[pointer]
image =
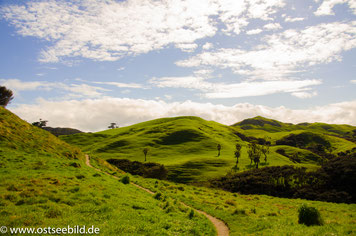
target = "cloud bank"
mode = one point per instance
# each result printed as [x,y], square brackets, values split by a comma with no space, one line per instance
[97,114]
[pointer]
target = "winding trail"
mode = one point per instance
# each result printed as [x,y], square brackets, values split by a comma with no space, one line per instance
[219,225]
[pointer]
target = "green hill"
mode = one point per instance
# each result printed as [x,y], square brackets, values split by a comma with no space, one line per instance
[44,182]
[187,145]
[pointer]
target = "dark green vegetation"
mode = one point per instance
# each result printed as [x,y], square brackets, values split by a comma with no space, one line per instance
[196,150]
[147,170]
[309,216]
[333,182]
[45,182]
[61,131]
[6,96]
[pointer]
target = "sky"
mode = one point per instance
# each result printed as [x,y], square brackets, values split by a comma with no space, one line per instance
[87,63]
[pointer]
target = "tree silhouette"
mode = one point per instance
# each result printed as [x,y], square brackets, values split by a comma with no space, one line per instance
[237,153]
[113,126]
[219,148]
[6,96]
[145,151]
[265,147]
[41,123]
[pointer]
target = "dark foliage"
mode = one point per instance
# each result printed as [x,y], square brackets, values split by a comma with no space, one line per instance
[6,96]
[62,131]
[147,170]
[125,179]
[309,216]
[308,140]
[333,182]
[259,141]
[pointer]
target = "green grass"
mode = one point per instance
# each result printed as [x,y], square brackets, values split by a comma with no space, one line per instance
[259,214]
[187,145]
[45,182]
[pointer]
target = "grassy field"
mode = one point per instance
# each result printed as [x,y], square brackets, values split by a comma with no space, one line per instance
[45,182]
[187,145]
[259,214]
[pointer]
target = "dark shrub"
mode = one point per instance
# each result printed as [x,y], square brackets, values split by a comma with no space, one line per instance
[147,170]
[125,179]
[309,216]
[157,196]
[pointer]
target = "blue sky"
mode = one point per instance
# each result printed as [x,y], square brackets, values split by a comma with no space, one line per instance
[85,64]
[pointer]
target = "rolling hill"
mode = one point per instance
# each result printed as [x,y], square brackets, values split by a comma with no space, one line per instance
[44,182]
[187,145]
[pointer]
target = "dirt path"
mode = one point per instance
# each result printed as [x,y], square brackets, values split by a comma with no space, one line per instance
[219,225]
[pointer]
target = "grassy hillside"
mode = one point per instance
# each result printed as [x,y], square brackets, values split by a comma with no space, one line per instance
[260,214]
[44,182]
[187,145]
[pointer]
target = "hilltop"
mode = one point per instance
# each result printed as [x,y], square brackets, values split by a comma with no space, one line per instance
[187,145]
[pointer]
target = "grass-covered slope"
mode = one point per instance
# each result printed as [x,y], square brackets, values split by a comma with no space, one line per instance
[187,145]
[22,137]
[260,214]
[44,182]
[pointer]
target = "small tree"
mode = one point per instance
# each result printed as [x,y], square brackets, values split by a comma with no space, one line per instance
[145,151]
[254,153]
[6,96]
[113,126]
[265,147]
[237,153]
[219,148]
[41,123]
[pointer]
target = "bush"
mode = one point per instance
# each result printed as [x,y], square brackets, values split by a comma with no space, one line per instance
[125,179]
[309,216]
[191,214]
[157,196]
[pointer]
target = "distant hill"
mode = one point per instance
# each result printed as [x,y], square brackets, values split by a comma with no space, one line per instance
[61,131]
[187,145]
[260,123]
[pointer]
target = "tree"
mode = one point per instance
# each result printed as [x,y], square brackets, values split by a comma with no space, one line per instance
[265,147]
[41,123]
[237,153]
[6,96]
[254,152]
[219,148]
[145,151]
[113,126]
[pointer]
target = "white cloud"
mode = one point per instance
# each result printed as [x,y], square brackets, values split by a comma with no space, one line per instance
[109,30]
[96,114]
[254,31]
[207,46]
[76,90]
[291,19]
[272,26]
[187,47]
[121,85]
[284,53]
[353,81]
[326,7]
[304,94]
[17,85]
[236,90]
